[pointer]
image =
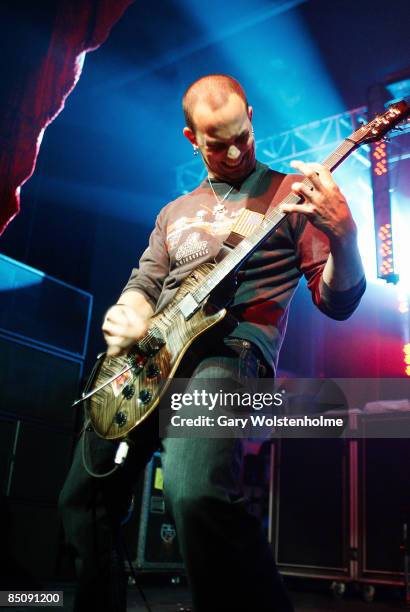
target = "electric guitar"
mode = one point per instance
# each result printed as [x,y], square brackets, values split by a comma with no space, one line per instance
[123,391]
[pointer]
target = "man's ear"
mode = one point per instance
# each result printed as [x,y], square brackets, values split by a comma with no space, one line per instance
[189,134]
[250,113]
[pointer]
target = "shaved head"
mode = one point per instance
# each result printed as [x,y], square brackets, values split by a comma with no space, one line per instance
[219,127]
[212,90]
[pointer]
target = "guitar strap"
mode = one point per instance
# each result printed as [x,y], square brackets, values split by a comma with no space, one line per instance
[250,218]
[245,225]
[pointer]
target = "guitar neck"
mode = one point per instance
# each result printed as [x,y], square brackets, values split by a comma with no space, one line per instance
[239,255]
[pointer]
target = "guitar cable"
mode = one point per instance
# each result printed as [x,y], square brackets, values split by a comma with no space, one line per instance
[119,459]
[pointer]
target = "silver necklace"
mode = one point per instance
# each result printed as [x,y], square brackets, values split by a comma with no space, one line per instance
[219,201]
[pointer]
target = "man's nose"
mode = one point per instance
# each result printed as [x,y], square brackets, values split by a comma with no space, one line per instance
[233,152]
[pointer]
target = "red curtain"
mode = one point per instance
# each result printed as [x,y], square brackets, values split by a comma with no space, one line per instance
[46,48]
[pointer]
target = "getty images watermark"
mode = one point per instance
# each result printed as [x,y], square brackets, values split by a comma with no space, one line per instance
[229,413]
[254,401]
[286,408]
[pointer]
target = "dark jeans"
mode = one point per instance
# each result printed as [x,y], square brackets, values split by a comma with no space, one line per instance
[228,561]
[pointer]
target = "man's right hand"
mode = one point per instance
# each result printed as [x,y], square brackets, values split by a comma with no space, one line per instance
[122,327]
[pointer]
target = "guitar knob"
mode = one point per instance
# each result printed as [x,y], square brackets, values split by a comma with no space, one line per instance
[145,396]
[120,418]
[152,370]
[128,391]
[136,362]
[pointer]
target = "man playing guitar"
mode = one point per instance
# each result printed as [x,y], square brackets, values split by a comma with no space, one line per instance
[229,564]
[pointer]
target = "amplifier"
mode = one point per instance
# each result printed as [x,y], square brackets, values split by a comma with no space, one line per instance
[44,327]
[311,502]
[384,506]
[38,384]
[43,310]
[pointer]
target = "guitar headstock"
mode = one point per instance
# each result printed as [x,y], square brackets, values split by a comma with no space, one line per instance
[381,124]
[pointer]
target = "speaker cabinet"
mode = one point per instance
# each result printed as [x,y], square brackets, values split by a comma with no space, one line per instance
[310,526]
[384,477]
[43,337]
[41,462]
[36,384]
[43,309]
[30,543]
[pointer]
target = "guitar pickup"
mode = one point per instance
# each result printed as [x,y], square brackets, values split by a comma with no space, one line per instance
[151,343]
[188,306]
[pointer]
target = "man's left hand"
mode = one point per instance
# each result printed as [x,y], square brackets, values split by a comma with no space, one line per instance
[323,203]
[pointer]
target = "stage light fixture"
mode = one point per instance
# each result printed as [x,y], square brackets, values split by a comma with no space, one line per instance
[406,351]
[379,97]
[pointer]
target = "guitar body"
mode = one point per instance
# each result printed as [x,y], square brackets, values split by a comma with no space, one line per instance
[121,405]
